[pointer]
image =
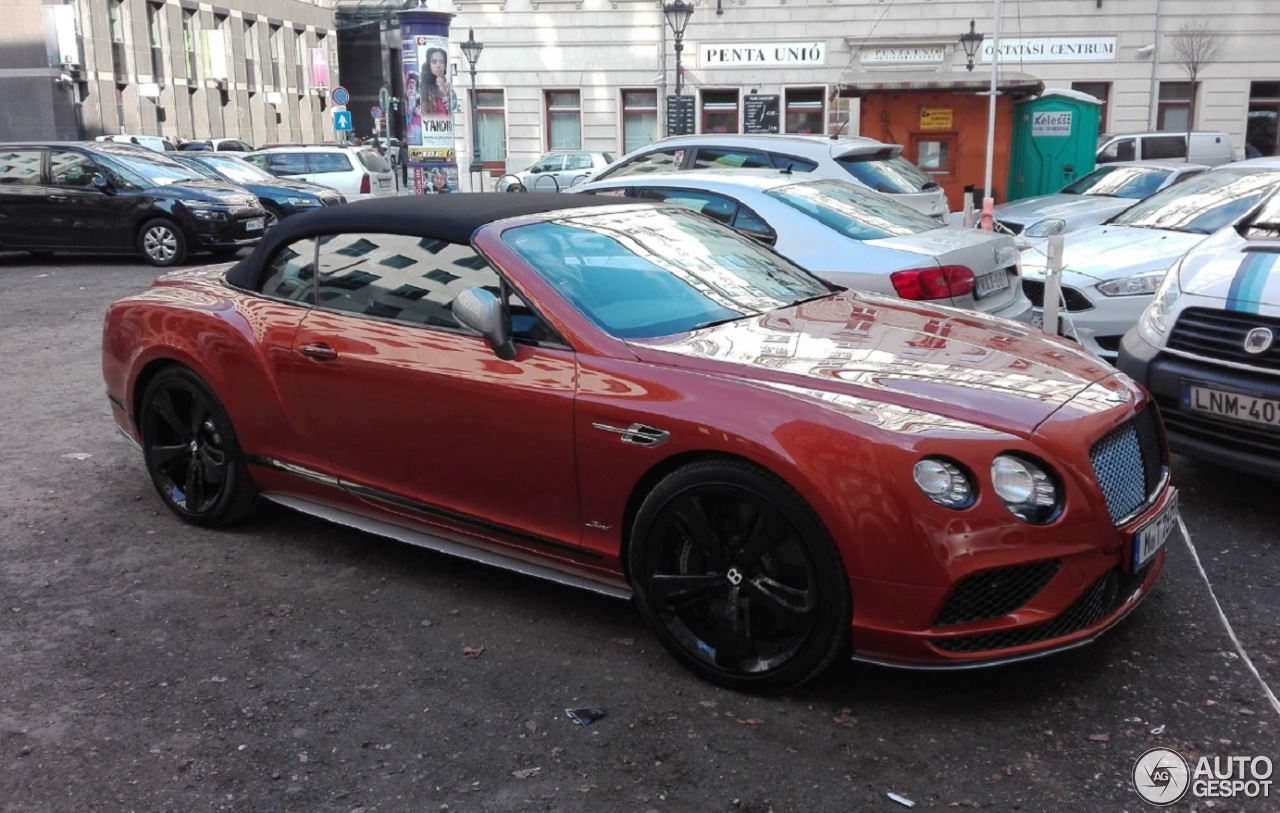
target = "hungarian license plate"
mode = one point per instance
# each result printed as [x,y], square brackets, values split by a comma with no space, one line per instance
[988,284]
[254,225]
[1150,538]
[1235,405]
[384,183]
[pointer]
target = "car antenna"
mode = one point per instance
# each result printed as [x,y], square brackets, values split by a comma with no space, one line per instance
[836,135]
[787,169]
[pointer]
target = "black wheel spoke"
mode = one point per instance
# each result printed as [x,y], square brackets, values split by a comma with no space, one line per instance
[672,590]
[736,650]
[163,456]
[213,462]
[199,414]
[191,486]
[783,603]
[169,414]
[767,532]
[692,521]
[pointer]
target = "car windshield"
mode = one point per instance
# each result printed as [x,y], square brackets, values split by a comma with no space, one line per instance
[1116,181]
[853,211]
[893,174]
[238,170]
[208,172]
[1203,204]
[658,272]
[153,169]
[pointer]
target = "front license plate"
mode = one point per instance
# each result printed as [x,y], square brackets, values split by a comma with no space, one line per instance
[1234,405]
[1037,318]
[989,284]
[254,225]
[1150,538]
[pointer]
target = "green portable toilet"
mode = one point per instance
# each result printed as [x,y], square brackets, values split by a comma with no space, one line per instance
[1055,137]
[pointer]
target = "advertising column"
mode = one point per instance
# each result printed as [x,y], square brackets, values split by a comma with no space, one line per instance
[429,101]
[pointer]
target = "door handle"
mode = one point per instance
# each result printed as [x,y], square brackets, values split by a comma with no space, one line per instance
[319,352]
[58,198]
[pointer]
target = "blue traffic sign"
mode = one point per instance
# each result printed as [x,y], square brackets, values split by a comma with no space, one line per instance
[377,112]
[340,95]
[342,120]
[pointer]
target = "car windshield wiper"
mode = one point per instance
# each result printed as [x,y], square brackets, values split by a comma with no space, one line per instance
[816,297]
[725,321]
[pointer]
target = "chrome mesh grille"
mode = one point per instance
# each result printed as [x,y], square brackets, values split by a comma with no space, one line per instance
[1129,464]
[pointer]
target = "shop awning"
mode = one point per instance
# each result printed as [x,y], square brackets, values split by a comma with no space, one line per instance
[864,83]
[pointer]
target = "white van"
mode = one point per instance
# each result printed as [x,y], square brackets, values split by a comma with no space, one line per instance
[1209,147]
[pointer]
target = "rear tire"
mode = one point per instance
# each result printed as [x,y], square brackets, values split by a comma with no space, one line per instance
[161,243]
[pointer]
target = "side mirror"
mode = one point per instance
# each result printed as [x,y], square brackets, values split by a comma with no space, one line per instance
[481,311]
[100,181]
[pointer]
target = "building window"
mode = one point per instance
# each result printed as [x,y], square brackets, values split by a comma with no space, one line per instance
[251,54]
[806,110]
[190,33]
[299,66]
[934,152]
[639,118]
[720,111]
[155,38]
[1174,111]
[276,43]
[564,119]
[1262,128]
[1100,91]
[491,125]
[116,22]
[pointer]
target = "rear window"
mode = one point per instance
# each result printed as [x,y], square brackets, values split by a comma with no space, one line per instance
[373,161]
[853,211]
[329,162]
[895,175]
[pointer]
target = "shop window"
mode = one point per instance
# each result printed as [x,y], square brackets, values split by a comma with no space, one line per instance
[1174,110]
[1100,91]
[491,125]
[639,118]
[720,111]
[564,119]
[805,110]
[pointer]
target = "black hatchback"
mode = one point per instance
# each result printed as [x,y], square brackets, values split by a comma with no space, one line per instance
[105,197]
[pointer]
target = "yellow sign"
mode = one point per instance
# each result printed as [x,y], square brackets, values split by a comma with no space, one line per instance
[935,118]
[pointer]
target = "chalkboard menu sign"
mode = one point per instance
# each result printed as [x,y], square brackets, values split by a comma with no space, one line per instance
[679,115]
[760,114]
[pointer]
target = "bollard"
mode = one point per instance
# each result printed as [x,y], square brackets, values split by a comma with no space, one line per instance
[1053,285]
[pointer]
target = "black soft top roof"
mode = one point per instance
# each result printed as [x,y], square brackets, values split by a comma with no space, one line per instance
[454,217]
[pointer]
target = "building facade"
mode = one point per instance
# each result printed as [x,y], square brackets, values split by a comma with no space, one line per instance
[257,70]
[596,74]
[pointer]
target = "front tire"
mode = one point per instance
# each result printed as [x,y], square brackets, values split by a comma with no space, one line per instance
[161,243]
[738,578]
[191,451]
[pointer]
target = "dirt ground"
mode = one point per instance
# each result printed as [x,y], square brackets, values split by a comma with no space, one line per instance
[291,665]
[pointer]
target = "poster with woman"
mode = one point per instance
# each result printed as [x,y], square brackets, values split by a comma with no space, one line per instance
[427,100]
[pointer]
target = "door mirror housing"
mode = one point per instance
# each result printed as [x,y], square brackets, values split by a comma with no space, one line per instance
[103,185]
[481,311]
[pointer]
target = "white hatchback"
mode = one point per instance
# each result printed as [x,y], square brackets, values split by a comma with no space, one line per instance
[357,172]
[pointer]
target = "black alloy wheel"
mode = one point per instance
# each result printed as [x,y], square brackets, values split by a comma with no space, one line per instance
[191,451]
[738,578]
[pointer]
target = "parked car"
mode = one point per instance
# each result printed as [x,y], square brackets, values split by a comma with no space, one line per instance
[846,234]
[1110,271]
[151,142]
[216,145]
[105,197]
[865,161]
[554,172]
[633,399]
[279,197]
[356,172]
[1209,147]
[1090,200]
[1207,346]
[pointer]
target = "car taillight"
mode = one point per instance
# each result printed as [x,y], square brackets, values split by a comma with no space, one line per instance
[933,283]
[366,187]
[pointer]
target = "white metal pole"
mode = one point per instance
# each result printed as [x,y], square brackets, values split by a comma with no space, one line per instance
[988,200]
[1053,284]
[1155,67]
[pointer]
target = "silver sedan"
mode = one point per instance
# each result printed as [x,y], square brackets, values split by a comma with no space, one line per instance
[847,235]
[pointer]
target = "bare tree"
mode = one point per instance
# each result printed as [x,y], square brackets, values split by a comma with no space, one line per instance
[1195,46]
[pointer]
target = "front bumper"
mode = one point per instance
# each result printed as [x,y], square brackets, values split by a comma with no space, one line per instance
[228,233]
[1100,327]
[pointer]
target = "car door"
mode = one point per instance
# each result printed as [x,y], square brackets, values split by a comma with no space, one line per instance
[80,214]
[416,412]
[545,175]
[23,199]
[577,166]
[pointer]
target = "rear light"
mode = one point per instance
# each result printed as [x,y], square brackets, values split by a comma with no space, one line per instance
[366,187]
[933,283]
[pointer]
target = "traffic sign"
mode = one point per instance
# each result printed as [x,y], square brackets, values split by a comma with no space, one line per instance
[340,95]
[376,112]
[342,121]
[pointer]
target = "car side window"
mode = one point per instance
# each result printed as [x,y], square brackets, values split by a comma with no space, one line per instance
[717,207]
[1174,146]
[749,223]
[552,163]
[292,273]
[656,161]
[329,162]
[20,167]
[68,168]
[287,163]
[708,157]
[1119,150]
[578,161]
[410,279]
[792,163]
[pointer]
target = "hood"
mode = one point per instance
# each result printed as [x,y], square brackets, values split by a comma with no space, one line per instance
[1244,274]
[295,187]
[1110,252]
[214,191]
[1061,206]
[944,361]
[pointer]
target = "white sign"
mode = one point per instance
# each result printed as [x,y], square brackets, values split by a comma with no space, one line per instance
[1051,123]
[903,56]
[761,54]
[149,90]
[1053,49]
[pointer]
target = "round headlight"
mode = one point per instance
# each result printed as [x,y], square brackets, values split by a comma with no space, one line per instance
[1027,489]
[943,482]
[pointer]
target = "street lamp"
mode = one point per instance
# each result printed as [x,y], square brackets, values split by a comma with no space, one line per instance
[678,14]
[471,49]
[971,41]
